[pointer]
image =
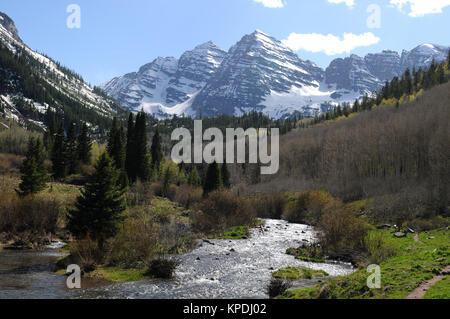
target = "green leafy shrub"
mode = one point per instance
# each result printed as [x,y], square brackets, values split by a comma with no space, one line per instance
[311,253]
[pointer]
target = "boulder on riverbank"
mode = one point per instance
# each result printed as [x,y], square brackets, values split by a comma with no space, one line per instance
[399,234]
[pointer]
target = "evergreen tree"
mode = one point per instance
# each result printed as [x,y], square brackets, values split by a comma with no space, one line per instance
[58,154]
[116,147]
[156,149]
[356,106]
[225,174]
[385,91]
[213,180]
[72,150]
[408,82]
[194,178]
[34,172]
[167,181]
[142,155]
[99,209]
[418,79]
[130,158]
[49,134]
[84,145]
[441,74]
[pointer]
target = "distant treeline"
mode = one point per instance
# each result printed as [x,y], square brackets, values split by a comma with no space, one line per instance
[252,119]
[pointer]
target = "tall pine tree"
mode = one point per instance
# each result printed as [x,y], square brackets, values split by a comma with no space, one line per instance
[194,178]
[225,174]
[84,145]
[213,180]
[99,209]
[34,172]
[116,146]
[130,158]
[156,150]
[72,150]
[58,154]
[142,156]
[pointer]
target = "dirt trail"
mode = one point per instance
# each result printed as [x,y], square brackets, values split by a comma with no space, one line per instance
[420,291]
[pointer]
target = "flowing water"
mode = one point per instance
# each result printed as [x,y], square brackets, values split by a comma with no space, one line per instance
[215,269]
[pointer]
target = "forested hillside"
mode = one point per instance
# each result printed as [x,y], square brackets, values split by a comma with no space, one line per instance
[398,151]
[34,89]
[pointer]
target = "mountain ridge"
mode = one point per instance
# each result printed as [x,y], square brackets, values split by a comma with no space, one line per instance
[259,73]
[34,88]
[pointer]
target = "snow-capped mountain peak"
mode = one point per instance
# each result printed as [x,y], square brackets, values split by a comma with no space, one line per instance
[166,85]
[259,73]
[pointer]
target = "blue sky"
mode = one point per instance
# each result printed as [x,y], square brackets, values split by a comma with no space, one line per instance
[118,36]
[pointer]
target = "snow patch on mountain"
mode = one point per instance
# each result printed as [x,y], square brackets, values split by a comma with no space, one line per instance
[167,86]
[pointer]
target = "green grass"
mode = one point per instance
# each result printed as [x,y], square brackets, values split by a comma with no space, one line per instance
[116,274]
[309,253]
[165,210]
[299,273]
[238,232]
[441,290]
[235,233]
[400,274]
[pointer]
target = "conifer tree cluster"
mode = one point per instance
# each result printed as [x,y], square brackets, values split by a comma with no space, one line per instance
[34,172]
[216,178]
[130,151]
[194,178]
[68,151]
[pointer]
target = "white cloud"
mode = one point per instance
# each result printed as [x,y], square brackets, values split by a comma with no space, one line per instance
[419,8]
[330,44]
[349,3]
[271,3]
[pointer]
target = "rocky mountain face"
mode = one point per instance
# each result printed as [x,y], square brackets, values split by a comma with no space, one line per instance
[369,74]
[8,24]
[423,55]
[259,73]
[384,66]
[166,85]
[254,68]
[353,74]
[33,85]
